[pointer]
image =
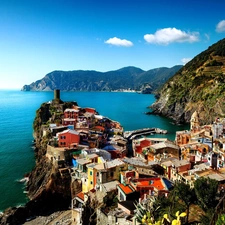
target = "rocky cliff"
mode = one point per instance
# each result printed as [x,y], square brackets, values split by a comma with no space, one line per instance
[48,190]
[198,86]
[125,78]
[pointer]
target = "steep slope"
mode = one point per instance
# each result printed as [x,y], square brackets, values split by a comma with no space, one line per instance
[80,80]
[199,85]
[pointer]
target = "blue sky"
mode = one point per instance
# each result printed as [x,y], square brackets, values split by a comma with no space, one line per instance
[39,36]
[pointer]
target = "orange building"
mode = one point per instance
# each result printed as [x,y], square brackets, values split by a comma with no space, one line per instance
[182,137]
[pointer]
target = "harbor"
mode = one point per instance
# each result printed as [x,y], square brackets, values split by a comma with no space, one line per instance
[145,131]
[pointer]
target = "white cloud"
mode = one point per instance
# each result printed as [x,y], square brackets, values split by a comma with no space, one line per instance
[169,35]
[119,42]
[185,60]
[220,27]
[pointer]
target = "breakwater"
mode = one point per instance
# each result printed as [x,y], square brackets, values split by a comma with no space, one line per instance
[144,131]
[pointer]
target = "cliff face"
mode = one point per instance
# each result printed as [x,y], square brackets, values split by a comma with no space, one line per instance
[80,80]
[198,86]
[48,190]
[45,179]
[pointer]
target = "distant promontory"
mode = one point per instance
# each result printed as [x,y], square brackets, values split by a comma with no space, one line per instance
[127,78]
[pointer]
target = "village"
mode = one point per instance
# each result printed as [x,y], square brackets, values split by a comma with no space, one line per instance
[109,166]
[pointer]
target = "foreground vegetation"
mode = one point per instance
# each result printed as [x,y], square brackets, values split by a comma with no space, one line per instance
[202,204]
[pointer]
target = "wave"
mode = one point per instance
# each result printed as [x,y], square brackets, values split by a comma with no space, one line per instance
[23,180]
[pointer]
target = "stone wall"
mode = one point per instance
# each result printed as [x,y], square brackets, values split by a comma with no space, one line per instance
[108,219]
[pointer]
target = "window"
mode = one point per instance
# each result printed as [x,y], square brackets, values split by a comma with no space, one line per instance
[63,137]
[91,173]
[91,182]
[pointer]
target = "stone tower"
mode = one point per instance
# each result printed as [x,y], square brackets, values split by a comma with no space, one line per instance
[57,99]
[56,94]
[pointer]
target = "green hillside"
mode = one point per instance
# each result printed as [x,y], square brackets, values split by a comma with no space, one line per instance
[125,78]
[199,85]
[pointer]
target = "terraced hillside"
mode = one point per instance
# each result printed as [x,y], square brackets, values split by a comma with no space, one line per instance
[199,85]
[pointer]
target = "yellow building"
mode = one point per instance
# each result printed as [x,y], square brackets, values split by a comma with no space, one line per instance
[90,176]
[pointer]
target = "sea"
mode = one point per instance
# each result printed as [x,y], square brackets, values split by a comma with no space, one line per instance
[17,112]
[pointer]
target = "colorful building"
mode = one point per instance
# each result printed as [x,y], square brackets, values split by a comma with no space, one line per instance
[68,138]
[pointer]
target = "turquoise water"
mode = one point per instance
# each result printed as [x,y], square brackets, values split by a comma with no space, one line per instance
[17,112]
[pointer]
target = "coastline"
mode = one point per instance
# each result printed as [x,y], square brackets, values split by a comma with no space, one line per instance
[85,99]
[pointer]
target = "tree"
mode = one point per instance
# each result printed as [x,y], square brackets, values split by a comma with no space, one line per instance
[206,191]
[186,195]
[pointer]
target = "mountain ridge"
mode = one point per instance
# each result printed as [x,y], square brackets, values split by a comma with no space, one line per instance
[90,80]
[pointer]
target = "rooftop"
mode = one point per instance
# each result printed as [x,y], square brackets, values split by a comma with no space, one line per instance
[91,165]
[83,161]
[137,161]
[155,182]
[69,131]
[127,189]
[164,145]
[110,186]
[80,195]
[114,163]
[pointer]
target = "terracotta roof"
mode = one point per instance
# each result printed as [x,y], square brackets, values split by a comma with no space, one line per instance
[80,195]
[93,190]
[145,143]
[152,182]
[126,189]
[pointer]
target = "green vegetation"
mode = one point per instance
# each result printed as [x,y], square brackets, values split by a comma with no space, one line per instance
[214,63]
[200,205]
[201,82]
[125,78]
